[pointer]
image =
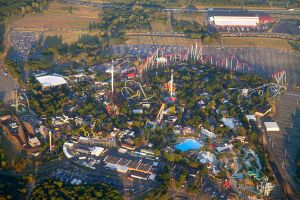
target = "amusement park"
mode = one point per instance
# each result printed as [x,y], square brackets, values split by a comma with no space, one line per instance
[132,117]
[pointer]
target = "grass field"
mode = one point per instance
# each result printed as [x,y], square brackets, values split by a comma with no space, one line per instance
[69,36]
[160,40]
[158,26]
[191,17]
[59,16]
[69,21]
[226,42]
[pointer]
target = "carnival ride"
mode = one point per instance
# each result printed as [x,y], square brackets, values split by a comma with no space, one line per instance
[237,174]
[17,98]
[160,114]
[87,134]
[263,187]
[272,89]
[174,55]
[134,91]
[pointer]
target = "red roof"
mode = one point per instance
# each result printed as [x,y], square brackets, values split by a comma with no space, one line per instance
[130,75]
[266,18]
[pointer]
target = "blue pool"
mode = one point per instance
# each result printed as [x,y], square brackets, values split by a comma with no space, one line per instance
[188,144]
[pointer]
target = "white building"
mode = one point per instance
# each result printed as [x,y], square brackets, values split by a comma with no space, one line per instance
[206,157]
[271,126]
[97,151]
[251,117]
[207,133]
[225,147]
[33,142]
[234,20]
[50,81]
[66,152]
[119,168]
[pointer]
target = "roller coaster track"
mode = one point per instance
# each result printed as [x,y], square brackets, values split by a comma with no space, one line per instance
[133,90]
[272,88]
[174,55]
[16,96]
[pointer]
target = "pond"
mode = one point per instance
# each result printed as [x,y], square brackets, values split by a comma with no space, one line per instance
[188,144]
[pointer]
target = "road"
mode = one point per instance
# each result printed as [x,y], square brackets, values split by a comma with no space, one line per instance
[282,11]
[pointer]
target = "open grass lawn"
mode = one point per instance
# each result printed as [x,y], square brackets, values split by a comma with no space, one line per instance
[160,40]
[76,10]
[58,19]
[226,42]
[59,16]
[191,17]
[158,26]
[69,37]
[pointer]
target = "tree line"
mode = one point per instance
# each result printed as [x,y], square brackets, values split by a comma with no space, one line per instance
[17,7]
[52,189]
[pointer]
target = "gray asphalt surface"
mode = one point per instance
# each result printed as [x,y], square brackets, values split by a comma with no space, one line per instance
[7,84]
[267,61]
[286,142]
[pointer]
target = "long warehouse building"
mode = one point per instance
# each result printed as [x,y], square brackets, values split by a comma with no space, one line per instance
[234,20]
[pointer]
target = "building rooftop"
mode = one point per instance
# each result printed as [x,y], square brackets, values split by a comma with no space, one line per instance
[272,126]
[130,162]
[51,81]
[97,151]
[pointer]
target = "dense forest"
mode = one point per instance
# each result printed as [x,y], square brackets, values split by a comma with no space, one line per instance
[52,189]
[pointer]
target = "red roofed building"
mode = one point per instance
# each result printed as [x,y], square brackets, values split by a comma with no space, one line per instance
[266,19]
[131,75]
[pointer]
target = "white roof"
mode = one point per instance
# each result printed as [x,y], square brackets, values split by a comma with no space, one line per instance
[51,81]
[34,140]
[222,148]
[208,133]
[271,126]
[230,122]
[152,177]
[235,20]
[97,151]
[206,157]
[66,152]
[249,117]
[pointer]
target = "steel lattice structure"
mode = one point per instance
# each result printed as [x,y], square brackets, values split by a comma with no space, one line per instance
[164,57]
[133,90]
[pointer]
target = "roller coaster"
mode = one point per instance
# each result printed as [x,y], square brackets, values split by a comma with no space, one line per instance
[273,89]
[174,55]
[17,97]
[134,91]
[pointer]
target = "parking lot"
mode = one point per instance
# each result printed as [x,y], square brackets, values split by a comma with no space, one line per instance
[288,26]
[22,43]
[120,181]
[239,29]
[7,84]
[285,144]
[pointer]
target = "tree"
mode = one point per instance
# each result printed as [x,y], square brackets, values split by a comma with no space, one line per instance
[241,131]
